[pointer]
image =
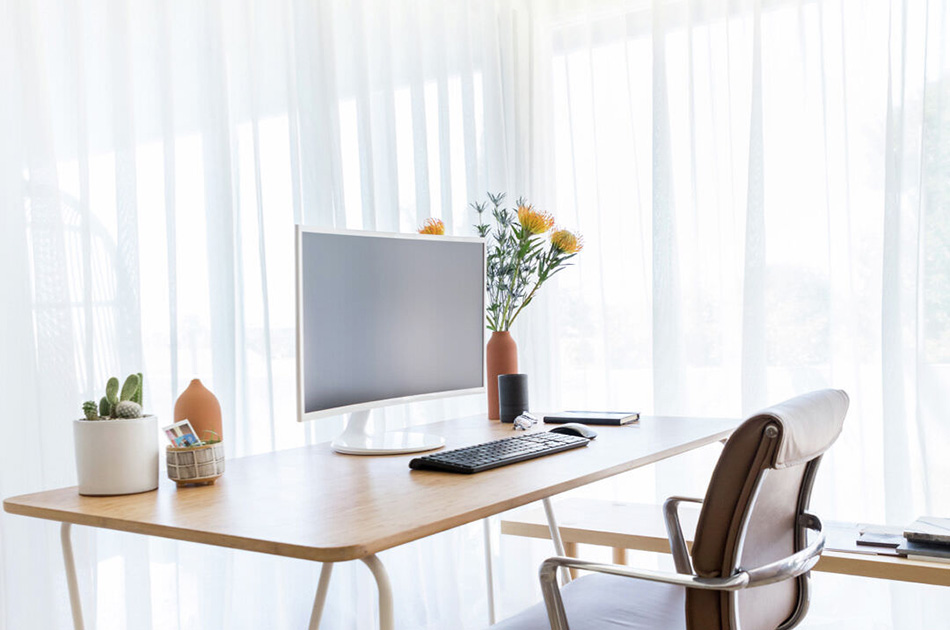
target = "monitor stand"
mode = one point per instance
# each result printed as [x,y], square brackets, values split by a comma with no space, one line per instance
[358,439]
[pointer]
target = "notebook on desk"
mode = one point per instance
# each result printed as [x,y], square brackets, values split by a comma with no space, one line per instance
[929,529]
[615,418]
[925,552]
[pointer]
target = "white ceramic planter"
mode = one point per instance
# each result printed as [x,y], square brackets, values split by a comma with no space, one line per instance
[116,456]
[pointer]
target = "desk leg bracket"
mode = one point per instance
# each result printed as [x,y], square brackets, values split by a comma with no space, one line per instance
[375,565]
[71,582]
[321,597]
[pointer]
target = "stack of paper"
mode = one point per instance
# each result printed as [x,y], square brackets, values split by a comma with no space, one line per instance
[927,538]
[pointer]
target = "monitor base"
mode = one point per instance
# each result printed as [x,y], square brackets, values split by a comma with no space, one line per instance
[357,440]
[391,443]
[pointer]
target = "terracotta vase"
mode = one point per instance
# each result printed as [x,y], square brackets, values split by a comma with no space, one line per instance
[501,357]
[200,407]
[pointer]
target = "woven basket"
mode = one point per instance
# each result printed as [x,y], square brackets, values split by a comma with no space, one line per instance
[195,465]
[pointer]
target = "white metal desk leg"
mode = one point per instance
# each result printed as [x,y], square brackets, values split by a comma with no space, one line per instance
[556,537]
[489,576]
[71,582]
[321,597]
[386,621]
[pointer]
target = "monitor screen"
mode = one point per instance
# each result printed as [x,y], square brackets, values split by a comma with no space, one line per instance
[386,318]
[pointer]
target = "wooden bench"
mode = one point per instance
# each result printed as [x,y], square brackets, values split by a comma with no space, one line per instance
[632,526]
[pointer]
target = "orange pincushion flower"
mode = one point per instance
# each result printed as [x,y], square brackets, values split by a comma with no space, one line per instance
[534,221]
[567,242]
[432,226]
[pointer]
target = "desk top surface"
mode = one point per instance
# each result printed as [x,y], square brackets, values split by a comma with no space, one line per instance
[315,504]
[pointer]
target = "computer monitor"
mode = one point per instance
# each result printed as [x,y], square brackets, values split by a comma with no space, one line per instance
[386,319]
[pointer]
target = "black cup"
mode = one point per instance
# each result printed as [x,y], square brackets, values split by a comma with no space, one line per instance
[512,396]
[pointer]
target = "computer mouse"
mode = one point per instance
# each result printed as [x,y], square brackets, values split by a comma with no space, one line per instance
[575,428]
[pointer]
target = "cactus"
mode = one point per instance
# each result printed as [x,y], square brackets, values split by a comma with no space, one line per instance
[128,409]
[138,392]
[89,410]
[129,388]
[105,408]
[114,405]
[112,391]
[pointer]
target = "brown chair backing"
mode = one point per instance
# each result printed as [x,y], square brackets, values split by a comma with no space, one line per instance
[781,442]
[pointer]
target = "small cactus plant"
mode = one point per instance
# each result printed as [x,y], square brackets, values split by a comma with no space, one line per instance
[112,393]
[138,392]
[129,388]
[90,410]
[124,403]
[128,409]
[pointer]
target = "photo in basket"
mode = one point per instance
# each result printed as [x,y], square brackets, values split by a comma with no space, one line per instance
[181,434]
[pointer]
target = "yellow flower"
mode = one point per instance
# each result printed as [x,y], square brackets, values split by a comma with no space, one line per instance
[567,242]
[534,221]
[432,226]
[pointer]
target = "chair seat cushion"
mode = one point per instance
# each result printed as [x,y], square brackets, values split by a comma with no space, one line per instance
[608,602]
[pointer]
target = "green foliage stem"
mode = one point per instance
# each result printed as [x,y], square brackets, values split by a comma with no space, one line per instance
[517,262]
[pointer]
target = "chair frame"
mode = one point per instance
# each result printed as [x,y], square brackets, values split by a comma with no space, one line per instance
[789,567]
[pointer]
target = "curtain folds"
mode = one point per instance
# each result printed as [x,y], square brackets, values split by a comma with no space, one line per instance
[761,185]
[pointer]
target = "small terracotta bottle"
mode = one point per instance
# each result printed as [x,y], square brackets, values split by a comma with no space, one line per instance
[200,407]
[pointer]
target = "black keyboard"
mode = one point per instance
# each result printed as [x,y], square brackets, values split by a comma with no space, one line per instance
[473,459]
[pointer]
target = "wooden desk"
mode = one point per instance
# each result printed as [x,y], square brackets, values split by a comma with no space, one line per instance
[623,526]
[315,504]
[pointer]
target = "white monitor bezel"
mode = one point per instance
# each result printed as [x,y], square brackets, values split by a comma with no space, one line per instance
[299,230]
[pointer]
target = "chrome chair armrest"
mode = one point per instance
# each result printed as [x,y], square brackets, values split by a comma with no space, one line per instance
[555,605]
[674,531]
[783,569]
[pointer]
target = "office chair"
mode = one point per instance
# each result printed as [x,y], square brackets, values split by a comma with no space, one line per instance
[750,559]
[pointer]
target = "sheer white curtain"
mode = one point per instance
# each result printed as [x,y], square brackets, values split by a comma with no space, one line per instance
[155,156]
[763,190]
[761,186]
